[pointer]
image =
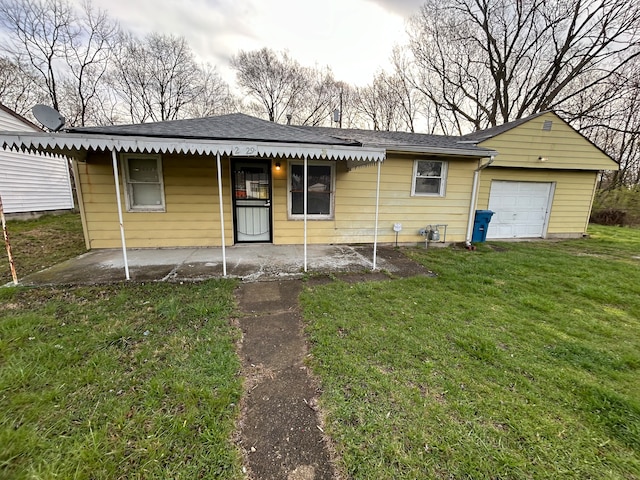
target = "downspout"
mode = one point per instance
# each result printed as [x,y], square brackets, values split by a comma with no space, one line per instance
[474,195]
[593,197]
[119,203]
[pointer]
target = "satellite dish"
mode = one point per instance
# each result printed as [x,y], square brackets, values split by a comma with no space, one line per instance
[49,117]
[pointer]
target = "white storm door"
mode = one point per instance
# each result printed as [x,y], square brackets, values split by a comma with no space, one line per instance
[252,201]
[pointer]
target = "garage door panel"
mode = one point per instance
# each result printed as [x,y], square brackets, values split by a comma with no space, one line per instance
[521,209]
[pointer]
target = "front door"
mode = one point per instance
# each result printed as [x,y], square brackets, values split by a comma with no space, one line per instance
[252,200]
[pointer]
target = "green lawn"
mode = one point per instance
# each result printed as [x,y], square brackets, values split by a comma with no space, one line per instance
[123,381]
[40,243]
[519,360]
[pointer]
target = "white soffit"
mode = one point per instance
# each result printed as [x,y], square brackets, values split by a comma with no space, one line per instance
[78,142]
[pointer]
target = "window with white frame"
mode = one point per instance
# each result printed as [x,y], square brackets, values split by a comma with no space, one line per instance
[320,190]
[429,177]
[144,186]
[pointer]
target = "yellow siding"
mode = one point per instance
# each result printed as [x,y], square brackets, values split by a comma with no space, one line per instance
[562,147]
[355,200]
[192,208]
[192,216]
[572,198]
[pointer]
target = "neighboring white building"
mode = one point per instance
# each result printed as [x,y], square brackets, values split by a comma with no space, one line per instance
[31,182]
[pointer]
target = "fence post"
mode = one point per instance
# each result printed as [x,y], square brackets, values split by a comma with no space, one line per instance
[8,244]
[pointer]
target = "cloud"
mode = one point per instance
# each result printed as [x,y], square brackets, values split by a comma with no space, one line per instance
[353,37]
[404,8]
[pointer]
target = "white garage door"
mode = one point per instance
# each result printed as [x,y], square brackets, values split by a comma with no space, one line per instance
[521,209]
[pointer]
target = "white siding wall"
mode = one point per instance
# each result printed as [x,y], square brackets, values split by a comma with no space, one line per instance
[31,182]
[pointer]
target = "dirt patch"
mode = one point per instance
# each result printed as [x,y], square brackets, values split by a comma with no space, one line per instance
[403,266]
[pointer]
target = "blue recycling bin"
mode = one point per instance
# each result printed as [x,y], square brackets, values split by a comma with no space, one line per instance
[481,225]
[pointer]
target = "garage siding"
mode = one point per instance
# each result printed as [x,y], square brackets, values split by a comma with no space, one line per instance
[571,205]
[530,146]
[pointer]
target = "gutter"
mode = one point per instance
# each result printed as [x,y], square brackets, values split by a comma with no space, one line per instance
[474,195]
[455,151]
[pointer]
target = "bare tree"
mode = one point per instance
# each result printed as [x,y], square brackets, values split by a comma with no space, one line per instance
[615,126]
[40,34]
[18,88]
[214,97]
[485,62]
[274,81]
[410,102]
[64,50]
[388,103]
[315,105]
[158,79]
[88,56]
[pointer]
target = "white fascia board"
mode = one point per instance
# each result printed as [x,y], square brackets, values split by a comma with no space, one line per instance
[461,152]
[78,142]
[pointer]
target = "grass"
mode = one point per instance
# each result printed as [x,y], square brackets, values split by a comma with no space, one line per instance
[519,360]
[40,243]
[124,381]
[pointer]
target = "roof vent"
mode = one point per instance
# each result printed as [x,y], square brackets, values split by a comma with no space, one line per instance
[546,126]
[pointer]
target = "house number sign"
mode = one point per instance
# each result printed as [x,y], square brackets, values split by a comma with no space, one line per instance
[245,150]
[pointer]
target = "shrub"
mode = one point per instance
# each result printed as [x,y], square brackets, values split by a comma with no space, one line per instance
[618,206]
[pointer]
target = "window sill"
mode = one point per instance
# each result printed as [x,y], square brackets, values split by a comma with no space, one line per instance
[146,210]
[310,217]
[436,195]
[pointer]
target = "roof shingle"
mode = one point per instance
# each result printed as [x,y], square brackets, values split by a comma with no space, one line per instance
[236,126]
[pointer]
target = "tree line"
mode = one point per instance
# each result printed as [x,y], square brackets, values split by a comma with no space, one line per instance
[468,65]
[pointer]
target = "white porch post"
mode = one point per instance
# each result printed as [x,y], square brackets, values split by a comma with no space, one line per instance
[375,232]
[124,243]
[224,253]
[304,196]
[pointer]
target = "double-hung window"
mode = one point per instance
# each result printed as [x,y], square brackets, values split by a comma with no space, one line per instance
[320,190]
[144,187]
[429,178]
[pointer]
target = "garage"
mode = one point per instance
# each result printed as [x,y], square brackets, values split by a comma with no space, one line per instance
[521,209]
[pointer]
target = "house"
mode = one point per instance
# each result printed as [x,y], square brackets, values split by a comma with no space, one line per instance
[231,179]
[31,182]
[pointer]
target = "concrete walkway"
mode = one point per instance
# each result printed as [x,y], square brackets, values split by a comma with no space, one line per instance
[281,433]
[249,262]
[281,426]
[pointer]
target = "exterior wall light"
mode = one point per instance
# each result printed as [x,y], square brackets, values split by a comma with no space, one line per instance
[278,166]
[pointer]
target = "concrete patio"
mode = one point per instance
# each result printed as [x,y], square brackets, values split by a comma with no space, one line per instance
[248,262]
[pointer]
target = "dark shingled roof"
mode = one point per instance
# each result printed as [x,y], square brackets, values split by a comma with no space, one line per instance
[235,126]
[482,135]
[241,127]
[390,140]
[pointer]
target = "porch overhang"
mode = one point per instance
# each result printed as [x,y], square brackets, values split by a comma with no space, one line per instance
[75,144]
[78,144]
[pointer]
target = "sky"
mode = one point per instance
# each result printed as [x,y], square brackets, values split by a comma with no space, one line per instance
[353,37]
